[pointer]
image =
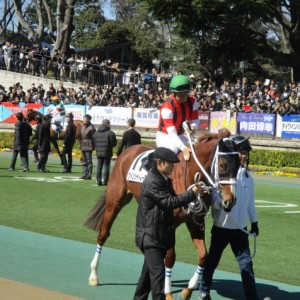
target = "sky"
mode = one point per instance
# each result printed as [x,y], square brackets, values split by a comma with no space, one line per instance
[108,11]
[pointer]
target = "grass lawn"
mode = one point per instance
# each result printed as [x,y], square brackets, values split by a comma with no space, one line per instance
[56,204]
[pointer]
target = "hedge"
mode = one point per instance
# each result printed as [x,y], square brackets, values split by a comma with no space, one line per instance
[7,139]
[258,157]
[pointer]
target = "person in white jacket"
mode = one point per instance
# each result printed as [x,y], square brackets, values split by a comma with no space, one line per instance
[228,228]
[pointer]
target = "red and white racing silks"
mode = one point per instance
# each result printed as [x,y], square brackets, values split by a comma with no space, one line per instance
[173,114]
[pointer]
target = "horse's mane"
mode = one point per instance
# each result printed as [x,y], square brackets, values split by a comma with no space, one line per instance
[206,137]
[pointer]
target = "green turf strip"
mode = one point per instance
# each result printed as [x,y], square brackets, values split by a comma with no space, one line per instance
[63,266]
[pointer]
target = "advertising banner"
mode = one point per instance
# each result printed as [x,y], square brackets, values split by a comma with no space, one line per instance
[117,116]
[145,117]
[256,123]
[10,109]
[222,119]
[288,126]
[203,120]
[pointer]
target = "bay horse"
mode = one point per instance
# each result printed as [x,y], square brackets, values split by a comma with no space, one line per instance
[30,116]
[210,151]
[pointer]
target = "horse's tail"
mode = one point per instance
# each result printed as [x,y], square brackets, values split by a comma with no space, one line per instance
[94,218]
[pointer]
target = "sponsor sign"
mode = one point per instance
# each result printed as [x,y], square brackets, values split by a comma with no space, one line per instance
[256,123]
[222,119]
[145,117]
[116,115]
[203,120]
[288,126]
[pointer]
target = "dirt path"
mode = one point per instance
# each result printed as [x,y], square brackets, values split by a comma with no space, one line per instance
[13,290]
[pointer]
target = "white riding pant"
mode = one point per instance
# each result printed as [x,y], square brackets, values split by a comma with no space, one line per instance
[59,119]
[164,140]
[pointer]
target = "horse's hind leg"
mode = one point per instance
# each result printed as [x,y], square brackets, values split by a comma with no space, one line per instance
[55,144]
[111,211]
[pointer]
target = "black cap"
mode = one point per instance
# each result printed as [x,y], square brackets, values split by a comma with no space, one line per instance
[165,154]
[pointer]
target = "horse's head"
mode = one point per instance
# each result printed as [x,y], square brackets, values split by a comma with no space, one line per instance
[224,168]
[32,114]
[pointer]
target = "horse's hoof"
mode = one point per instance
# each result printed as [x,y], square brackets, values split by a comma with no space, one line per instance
[185,294]
[93,281]
[169,297]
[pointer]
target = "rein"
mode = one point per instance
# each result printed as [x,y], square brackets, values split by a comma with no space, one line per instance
[186,129]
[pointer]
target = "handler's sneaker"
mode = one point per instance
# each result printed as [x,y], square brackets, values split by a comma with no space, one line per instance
[204,296]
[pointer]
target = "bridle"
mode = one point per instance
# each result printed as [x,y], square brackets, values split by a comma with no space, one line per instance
[215,182]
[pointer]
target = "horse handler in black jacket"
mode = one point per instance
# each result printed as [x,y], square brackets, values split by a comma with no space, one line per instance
[155,230]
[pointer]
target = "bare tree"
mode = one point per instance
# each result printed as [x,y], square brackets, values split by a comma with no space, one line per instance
[34,34]
[64,24]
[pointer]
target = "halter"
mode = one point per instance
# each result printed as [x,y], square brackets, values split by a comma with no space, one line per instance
[215,166]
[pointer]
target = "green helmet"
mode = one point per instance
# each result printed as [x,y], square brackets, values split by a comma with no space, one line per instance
[179,84]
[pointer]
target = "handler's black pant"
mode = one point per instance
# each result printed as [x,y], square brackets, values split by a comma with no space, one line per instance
[238,240]
[67,159]
[23,155]
[153,275]
[43,160]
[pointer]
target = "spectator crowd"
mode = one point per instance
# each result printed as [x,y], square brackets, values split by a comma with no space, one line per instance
[105,83]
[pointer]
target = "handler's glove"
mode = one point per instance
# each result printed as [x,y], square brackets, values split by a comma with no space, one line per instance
[254,228]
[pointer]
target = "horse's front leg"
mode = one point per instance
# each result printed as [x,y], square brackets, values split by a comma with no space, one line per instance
[169,263]
[199,242]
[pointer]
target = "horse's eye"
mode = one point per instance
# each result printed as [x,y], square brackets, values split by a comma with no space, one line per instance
[223,166]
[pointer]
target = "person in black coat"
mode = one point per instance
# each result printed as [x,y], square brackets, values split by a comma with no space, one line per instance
[130,137]
[44,146]
[69,140]
[104,140]
[155,229]
[35,137]
[29,134]
[21,142]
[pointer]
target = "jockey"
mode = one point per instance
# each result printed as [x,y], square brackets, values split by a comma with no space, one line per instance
[180,107]
[58,114]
